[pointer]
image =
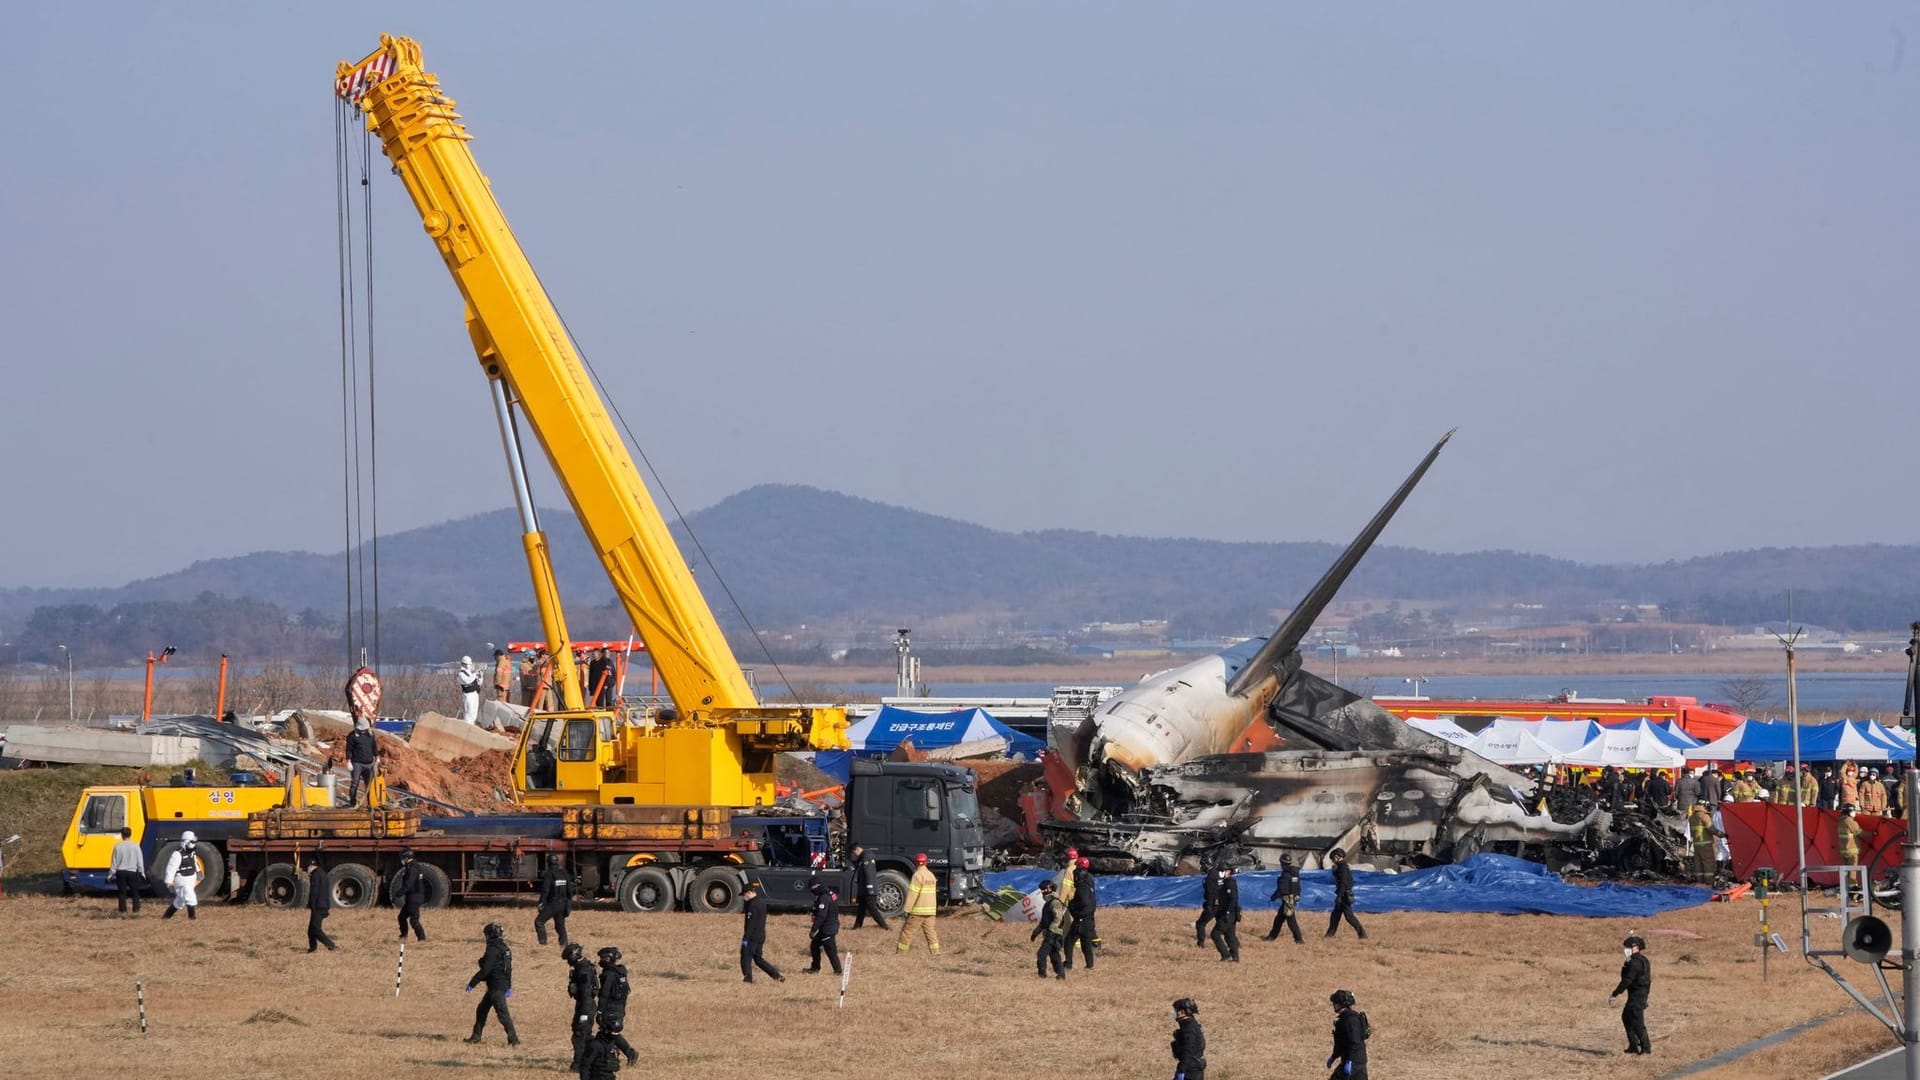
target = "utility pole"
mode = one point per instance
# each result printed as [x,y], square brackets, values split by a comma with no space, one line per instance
[1910,927]
[69,653]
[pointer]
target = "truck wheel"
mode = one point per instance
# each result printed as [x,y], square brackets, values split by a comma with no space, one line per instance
[646,889]
[354,886]
[280,885]
[717,889]
[890,893]
[438,889]
[213,870]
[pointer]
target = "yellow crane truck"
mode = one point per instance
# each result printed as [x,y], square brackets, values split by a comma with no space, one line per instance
[657,809]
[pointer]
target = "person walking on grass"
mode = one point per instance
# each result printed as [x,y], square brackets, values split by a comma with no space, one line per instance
[1350,1034]
[864,873]
[409,891]
[1343,896]
[1636,981]
[183,877]
[824,935]
[1209,898]
[556,900]
[496,970]
[923,903]
[1226,924]
[753,935]
[319,904]
[1083,905]
[1048,933]
[1189,1042]
[1286,889]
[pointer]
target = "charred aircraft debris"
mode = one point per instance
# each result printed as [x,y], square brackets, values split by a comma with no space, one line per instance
[1242,757]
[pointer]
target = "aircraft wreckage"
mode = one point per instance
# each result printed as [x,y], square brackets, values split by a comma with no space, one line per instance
[1243,756]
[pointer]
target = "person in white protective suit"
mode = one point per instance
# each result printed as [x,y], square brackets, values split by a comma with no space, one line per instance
[469,691]
[183,877]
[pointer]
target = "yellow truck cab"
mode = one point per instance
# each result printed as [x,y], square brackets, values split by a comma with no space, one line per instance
[157,816]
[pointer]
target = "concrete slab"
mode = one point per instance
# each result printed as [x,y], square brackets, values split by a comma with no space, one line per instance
[447,739]
[81,746]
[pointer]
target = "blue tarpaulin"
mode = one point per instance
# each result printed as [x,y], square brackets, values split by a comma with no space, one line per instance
[1486,883]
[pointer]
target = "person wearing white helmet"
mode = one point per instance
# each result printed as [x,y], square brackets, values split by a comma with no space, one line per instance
[469,691]
[183,877]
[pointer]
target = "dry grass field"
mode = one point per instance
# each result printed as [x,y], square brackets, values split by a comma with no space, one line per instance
[235,994]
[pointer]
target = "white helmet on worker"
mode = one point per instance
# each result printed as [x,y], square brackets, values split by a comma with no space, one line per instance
[188,837]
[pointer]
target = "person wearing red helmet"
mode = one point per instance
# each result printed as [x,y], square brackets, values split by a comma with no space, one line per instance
[1082,906]
[1063,881]
[923,901]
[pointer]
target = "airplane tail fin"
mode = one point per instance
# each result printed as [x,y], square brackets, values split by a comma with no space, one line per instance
[1301,619]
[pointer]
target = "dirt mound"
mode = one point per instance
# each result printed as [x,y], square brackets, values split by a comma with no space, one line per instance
[482,784]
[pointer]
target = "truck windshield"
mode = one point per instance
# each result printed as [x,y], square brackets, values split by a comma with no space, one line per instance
[965,806]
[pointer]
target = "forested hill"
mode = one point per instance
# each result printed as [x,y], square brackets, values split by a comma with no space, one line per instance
[793,554]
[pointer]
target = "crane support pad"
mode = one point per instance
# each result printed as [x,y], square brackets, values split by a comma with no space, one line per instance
[347,823]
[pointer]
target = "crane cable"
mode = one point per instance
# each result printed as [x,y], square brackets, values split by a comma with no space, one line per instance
[360,482]
[666,494]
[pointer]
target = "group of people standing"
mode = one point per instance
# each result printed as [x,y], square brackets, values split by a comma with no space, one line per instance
[1220,905]
[1070,903]
[536,687]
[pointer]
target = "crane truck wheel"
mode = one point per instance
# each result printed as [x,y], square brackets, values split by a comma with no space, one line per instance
[717,889]
[438,889]
[646,889]
[890,893]
[354,886]
[213,870]
[280,885]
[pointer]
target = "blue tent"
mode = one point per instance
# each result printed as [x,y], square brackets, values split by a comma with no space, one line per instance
[882,733]
[1673,736]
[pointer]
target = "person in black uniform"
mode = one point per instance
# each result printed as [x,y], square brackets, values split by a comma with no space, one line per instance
[409,892]
[1343,896]
[556,901]
[583,986]
[825,934]
[863,874]
[496,970]
[1286,889]
[319,903]
[600,679]
[1636,979]
[601,1059]
[613,1002]
[1350,1033]
[1226,925]
[1085,902]
[1189,1042]
[1209,896]
[753,936]
[1048,933]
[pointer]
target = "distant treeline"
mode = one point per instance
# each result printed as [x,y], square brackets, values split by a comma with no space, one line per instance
[794,555]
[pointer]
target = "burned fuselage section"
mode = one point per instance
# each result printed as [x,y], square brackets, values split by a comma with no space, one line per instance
[1414,798]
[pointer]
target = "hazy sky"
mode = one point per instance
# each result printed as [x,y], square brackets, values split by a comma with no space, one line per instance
[1220,271]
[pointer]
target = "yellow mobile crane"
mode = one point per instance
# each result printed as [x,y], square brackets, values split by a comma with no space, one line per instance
[718,747]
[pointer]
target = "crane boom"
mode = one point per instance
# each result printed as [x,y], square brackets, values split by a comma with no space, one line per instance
[525,349]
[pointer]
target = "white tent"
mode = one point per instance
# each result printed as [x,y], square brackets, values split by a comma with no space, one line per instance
[1627,747]
[1512,742]
[1565,736]
[1442,728]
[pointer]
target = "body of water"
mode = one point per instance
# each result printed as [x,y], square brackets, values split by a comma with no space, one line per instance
[1876,695]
